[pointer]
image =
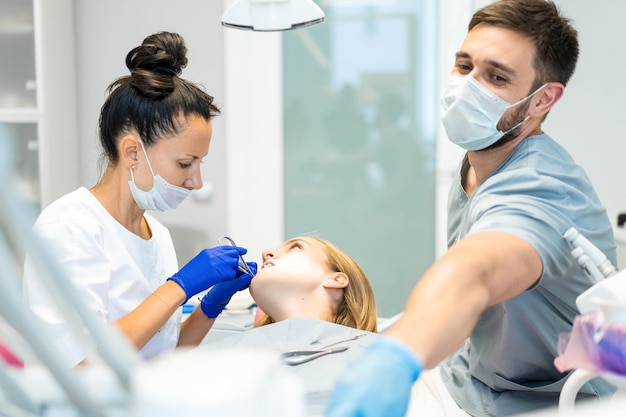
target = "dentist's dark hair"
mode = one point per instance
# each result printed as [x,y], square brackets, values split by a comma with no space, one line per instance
[153,96]
[555,40]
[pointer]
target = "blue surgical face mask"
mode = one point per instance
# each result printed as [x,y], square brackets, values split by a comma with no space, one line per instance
[162,196]
[470,113]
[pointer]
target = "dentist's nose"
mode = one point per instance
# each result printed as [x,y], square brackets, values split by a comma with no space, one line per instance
[194,182]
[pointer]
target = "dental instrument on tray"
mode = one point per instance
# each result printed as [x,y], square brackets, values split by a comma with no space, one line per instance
[243,266]
[345,339]
[297,357]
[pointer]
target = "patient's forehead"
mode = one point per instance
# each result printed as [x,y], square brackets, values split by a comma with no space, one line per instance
[297,239]
[309,244]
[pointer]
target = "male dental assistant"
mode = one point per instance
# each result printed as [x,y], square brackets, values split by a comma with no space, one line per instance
[484,319]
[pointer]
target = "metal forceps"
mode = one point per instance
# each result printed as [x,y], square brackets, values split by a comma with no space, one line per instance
[243,266]
[297,357]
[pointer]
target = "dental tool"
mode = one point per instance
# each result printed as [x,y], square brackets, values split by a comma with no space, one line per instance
[608,285]
[598,259]
[243,266]
[336,342]
[587,265]
[298,357]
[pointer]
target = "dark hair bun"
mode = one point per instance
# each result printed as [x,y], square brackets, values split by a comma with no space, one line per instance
[155,63]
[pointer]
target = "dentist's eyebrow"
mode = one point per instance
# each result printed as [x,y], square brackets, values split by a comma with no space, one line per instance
[504,68]
[495,64]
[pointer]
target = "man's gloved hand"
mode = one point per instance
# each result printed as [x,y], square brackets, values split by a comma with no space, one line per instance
[208,268]
[218,297]
[378,384]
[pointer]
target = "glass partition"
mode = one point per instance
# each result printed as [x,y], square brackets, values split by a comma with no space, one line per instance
[25,159]
[360,100]
[17,49]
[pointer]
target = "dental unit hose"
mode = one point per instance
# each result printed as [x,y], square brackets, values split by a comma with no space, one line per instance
[587,265]
[589,257]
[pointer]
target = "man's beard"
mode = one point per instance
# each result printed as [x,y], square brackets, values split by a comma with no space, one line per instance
[508,122]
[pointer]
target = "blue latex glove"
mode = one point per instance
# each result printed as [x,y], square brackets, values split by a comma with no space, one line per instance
[208,268]
[218,297]
[378,384]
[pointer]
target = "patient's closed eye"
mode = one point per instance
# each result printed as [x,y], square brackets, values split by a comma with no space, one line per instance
[295,245]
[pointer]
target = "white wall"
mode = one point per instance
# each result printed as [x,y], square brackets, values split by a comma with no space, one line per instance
[254,122]
[589,121]
[105,32]
[454,16]
[57,98]
[242,70]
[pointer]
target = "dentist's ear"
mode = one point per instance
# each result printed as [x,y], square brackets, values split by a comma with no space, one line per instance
[128,148]
[546,99]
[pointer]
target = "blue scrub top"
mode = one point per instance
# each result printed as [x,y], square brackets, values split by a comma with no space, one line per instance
[506,367]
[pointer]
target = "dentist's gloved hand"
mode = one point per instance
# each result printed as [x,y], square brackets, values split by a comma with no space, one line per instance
[378,384]
[214,301]
[208,268]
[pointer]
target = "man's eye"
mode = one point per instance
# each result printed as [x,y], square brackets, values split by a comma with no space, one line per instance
[499,79]
[463,68]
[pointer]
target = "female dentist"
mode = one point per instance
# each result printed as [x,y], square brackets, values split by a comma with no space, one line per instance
[155,128]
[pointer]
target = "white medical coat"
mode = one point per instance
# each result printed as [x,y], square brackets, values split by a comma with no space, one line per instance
[115,269]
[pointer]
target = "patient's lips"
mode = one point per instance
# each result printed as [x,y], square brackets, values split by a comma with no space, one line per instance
[267,264]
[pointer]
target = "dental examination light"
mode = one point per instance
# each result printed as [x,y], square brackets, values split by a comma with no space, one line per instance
[272,15]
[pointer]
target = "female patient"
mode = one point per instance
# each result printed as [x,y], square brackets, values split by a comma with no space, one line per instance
[311,278]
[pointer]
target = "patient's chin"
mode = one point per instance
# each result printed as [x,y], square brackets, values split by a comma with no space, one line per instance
[252,289]
[257,290]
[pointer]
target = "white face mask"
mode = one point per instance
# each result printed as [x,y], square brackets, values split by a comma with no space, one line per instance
[470,113]
[162,196]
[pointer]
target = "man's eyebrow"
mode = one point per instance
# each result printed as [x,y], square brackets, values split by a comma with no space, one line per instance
[502,67]
[494,64]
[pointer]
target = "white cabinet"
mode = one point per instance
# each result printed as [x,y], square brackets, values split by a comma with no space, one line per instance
[38,95]
[18,91]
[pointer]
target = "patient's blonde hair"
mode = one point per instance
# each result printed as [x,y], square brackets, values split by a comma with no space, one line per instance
[356,308]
